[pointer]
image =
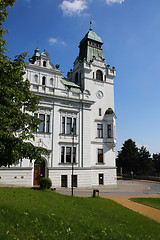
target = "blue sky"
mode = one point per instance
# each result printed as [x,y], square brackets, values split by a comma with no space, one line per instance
[130,30]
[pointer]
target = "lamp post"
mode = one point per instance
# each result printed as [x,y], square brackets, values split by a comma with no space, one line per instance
[72,131]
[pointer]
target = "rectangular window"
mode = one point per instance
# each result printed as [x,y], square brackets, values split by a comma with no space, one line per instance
[101,179]
[36,115]
[63,180]
[63,125]
[109,131]
[100,155]
[62,154]
[100,130]
[68,154]
[69,125]
[74,155]
[42,124]
[74,125]
[48,123]
[74,180]
[100,112]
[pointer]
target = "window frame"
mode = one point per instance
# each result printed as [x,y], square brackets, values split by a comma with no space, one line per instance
[67,157]
[43,80]
[99,130]
[67,123]
[44,127]
[100,156]
[99,75]
[42,124]
[109,131]
[100,112]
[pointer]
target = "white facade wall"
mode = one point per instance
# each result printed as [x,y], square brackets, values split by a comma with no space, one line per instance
[58,99]
[20,176]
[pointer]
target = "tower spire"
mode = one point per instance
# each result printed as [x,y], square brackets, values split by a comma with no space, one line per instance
[90,26]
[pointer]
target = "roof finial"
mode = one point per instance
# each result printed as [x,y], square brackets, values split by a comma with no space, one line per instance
[90,26]
[37,44]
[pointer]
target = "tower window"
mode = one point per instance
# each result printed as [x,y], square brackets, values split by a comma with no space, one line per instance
[100,112]
[44,64]
[43,80]
[99,75]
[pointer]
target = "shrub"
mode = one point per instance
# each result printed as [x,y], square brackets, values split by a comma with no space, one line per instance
[45,183]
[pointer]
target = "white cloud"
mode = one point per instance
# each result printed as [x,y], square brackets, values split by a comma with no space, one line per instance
[73,7]
[52,40]
[110,2]
[55,40]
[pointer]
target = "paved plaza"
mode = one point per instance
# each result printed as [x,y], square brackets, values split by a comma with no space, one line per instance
[123,188]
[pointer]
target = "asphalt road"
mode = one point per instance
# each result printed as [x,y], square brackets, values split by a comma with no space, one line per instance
[123,188]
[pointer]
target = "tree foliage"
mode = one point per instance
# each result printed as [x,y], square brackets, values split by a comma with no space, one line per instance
[145,163]
[156,162]
[128,157]
[131,159]
[17,104]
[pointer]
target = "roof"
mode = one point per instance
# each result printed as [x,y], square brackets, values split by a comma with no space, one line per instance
[92,36]
[72,86]
[109,111]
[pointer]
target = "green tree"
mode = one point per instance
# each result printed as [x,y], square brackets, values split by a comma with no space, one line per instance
[17,104]
[145,163]
[156,162]
[127,158]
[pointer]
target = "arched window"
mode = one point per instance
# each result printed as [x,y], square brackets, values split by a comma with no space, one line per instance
[43,80]
[99,75]
[76,77]
[36,78]
[44,63]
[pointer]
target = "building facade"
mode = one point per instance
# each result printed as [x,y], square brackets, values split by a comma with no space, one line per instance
[78,127]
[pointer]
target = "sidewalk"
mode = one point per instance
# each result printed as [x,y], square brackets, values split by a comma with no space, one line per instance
[150,212]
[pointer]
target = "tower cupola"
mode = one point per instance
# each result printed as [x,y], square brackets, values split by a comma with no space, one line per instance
[90,46]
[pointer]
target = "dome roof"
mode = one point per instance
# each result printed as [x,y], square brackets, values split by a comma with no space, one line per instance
[109,111]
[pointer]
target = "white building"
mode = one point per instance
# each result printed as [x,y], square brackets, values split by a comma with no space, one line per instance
[79,121]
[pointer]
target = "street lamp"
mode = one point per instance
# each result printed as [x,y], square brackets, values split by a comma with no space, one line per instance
[72,132]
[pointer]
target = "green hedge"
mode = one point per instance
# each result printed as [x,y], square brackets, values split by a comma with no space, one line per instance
[45,183]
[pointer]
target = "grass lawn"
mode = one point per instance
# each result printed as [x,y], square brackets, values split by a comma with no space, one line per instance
[153,202]
[27,214]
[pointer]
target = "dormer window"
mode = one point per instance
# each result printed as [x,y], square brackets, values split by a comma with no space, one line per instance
[43,80]
[44,64]
[99,75]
